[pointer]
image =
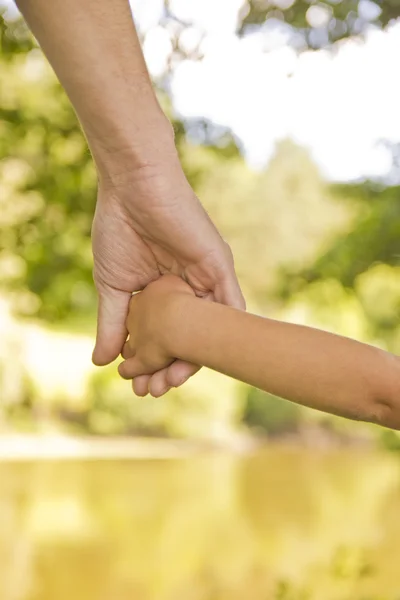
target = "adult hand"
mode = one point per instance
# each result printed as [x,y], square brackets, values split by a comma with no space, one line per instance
[149,222]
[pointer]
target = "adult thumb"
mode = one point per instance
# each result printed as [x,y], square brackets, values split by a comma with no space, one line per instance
[111,329]
[228,292]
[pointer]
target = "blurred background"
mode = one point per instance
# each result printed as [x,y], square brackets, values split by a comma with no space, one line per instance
[286,120]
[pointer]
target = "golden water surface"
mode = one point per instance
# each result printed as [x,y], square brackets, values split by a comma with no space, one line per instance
[284,524]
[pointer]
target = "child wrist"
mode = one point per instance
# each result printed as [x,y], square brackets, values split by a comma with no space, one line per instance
[175,309]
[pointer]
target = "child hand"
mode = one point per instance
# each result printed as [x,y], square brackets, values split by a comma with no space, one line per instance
[148,349]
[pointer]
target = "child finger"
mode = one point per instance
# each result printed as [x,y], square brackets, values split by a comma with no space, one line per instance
[140,385]
[131,368]
[158,385]
[179,372]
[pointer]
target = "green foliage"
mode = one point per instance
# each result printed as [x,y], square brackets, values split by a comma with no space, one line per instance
[278,217]
[343,18]
[308,24]
[286,591]
[374,237]
[270,414]
[364,259]
[390,440]
[15,37]
[47,185]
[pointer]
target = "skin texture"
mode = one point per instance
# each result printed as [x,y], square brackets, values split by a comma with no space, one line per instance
[148,220]
[305,365]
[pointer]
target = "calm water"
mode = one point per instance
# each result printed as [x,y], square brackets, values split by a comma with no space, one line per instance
[284,525]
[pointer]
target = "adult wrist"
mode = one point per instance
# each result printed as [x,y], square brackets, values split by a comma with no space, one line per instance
[145,145]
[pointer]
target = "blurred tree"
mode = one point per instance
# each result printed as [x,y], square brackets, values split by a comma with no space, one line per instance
[271,415]
[306,23]
[47,185]
[281,216]
[319,23]
[374,236]
[48,188]
[364,258]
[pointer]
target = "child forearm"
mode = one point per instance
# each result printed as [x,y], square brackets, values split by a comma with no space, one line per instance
[304,365]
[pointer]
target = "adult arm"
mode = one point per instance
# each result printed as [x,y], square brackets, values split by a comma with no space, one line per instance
[148,221]
[94,49]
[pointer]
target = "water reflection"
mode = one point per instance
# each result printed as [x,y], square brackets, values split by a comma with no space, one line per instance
[284,524]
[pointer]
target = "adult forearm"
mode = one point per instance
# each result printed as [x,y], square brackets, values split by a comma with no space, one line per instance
[305,365]
[94,50]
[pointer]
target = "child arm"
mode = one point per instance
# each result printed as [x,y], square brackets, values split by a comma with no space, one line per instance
[305,365]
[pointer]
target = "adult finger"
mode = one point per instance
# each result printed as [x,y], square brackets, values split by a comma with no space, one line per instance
[229,292]
[111,330]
